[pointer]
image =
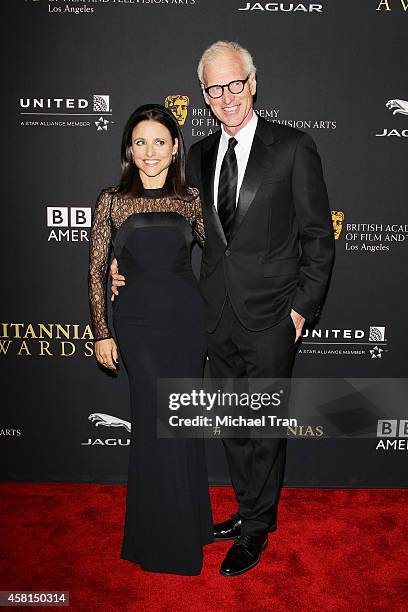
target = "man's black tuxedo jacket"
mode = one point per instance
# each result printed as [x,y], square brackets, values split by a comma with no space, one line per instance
[281,246]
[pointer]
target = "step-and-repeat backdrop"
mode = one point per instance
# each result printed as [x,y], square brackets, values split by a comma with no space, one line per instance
[74,70]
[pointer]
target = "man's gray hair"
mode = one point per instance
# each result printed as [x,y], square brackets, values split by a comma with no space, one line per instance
[224,46]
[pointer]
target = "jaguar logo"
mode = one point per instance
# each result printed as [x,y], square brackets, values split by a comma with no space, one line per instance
[398,107]
[107,420]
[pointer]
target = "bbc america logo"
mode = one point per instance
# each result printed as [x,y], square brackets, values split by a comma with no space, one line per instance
[393,434]
[392,428]
[68,223]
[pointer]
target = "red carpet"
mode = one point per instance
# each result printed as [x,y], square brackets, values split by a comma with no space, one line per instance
[339,550]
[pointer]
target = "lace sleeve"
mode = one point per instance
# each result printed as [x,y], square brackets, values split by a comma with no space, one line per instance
[99,251]
[198,224]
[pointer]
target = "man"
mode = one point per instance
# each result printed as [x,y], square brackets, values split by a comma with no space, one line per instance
[266,263]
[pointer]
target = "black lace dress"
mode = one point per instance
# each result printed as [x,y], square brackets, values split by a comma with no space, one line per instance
[159,324]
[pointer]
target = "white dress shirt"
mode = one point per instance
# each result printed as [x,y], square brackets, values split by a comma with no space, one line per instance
[242,150]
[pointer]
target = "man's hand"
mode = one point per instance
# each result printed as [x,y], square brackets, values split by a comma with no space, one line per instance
[117,279]
[298,322]
[106,353]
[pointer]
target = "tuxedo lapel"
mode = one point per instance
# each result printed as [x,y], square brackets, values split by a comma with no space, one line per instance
[208,163]
[258,167]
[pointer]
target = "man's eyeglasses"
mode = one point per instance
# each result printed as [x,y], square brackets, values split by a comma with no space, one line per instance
[235,87]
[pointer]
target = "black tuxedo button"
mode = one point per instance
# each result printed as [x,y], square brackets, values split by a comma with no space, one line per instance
[227,253]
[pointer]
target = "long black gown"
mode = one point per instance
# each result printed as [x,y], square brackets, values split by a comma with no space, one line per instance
[159,323]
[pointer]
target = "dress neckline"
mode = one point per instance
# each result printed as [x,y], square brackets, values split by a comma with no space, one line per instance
[153,193]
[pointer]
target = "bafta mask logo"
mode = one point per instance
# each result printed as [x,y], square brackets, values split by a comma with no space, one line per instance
[178,105]
[337,218]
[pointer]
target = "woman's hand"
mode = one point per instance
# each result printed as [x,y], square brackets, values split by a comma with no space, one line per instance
[298,322]
[106,353]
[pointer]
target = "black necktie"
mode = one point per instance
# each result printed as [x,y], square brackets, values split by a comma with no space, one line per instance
[227,187]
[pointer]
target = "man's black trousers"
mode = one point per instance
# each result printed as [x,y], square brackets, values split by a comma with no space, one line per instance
[256,465]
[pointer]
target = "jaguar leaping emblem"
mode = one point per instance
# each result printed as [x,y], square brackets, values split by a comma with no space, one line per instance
[107,420]
[398,106]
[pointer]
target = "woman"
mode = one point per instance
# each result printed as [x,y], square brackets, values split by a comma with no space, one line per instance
[151,219]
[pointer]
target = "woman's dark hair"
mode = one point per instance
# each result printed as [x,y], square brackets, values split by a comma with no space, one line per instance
[130,181]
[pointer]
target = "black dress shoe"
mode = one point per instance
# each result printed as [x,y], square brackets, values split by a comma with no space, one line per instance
[243,555]
[231,528]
